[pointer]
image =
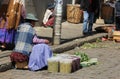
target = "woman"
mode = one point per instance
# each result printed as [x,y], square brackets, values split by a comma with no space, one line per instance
[13,11]
[6,35]
[29,48]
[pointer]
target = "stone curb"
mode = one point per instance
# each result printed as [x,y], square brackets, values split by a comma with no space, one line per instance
[5,66]
[75,43]
[62,48]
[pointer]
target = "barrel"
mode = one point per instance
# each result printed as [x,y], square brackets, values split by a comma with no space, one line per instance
[74,14]
[106,11]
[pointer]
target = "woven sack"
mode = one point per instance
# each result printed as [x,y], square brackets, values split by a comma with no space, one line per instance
[74,14]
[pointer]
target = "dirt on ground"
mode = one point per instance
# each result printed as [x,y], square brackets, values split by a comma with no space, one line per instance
[108,67]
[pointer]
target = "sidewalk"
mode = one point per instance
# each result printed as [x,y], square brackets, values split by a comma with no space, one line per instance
[71,37]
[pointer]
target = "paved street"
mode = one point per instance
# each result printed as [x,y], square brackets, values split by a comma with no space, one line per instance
[108,66]
[71,34]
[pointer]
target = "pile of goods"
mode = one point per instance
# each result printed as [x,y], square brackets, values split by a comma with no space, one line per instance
[85,60]
[64,63]
[112,33]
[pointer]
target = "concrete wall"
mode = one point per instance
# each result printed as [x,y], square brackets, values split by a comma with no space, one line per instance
[30,8]
[65,2]
[38,7]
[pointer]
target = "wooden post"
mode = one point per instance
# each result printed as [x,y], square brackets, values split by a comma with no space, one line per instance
[73,2]
[57,23]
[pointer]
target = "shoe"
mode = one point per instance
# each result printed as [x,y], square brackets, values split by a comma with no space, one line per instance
[85,33]
[90,33]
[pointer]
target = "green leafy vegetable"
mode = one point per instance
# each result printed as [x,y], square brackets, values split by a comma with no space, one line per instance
[83,56]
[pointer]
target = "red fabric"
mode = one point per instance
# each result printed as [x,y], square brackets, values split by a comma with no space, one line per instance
[50,22]
[18,57]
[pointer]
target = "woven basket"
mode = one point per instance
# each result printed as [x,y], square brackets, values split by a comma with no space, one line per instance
[21,65]
[74,14]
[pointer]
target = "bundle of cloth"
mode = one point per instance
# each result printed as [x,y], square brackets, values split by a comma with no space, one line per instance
[48,19]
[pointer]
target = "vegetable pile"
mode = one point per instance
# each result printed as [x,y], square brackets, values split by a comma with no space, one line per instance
[86,61]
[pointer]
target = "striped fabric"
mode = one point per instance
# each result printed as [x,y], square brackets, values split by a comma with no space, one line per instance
[24,39]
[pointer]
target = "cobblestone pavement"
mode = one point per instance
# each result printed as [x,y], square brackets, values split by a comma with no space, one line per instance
[108,67]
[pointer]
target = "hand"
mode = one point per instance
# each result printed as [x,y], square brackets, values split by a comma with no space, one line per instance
[46,41]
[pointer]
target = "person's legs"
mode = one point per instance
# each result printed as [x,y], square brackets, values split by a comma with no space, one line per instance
[38,57]
[91,20]
[19,60]
[85,21]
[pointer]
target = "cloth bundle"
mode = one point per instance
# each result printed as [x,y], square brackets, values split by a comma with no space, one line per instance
[18,57]
[14,13]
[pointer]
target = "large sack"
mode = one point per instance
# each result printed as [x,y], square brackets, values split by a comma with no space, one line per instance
[104,28]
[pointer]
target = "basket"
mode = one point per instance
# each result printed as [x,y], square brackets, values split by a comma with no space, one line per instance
[74,14]
[21,65]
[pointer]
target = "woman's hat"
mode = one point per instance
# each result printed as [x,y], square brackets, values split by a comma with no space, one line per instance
[31,16]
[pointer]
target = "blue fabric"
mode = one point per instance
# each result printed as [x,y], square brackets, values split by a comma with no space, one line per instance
[85,21]
[24,39]
[88,21]
[38,57]
[6,36]
[91,20]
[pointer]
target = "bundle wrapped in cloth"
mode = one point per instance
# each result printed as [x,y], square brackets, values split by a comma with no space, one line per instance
[104,28]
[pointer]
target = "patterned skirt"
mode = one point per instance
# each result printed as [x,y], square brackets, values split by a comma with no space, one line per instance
[6,36]
[18,57]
